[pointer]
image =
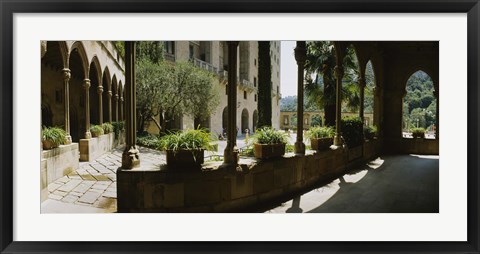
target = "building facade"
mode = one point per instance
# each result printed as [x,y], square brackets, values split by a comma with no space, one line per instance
[213,57]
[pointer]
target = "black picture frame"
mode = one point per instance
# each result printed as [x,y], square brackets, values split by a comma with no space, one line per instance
[10,7]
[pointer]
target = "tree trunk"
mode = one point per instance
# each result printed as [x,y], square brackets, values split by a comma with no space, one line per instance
[329,106]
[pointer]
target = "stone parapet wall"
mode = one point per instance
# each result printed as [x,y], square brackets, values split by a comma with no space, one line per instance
[414,145]
[57,163]
[221,189]
[91,149]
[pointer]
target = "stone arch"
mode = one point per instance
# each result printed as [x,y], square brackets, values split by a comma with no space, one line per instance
[106,83]
[255,120]
[52,84]
[94,74]
[245,124]
[78,47]
[415,111]
[78,65]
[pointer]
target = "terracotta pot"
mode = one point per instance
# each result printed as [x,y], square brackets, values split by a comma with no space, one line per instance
[185,159]
[266,151]
[320,144]
[48,144]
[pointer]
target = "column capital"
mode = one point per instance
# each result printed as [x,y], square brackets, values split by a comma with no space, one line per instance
[115,96]
[109,92]
[338,72]
[66,74]
[121,99]
[100,89]
[86,84]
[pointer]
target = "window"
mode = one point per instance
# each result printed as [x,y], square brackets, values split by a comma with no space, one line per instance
[245,95]
[255,82]
[226,89]
[255,61]
[169,47]
[58,96]
[255,97]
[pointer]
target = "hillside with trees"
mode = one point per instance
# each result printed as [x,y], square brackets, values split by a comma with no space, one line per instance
[419,104]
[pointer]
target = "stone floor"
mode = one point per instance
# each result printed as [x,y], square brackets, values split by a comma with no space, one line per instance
[404,183]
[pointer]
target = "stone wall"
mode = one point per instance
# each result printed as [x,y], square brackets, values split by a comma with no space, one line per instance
[57,163]
[91,149]
[219,189]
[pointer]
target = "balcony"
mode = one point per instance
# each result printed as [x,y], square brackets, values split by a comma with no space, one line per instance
[204,65]
[247,85]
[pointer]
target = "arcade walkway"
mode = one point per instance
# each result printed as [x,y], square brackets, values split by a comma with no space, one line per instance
[403,183]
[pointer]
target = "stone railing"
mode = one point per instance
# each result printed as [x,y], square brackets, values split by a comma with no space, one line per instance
[204,65]
[247,85]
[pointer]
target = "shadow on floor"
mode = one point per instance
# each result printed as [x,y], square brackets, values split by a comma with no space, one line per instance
[401,184]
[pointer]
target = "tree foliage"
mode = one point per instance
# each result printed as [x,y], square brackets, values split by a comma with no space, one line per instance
[168,90]
[419,104]
[320,81]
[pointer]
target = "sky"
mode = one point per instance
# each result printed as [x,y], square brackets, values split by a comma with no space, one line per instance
[288,69]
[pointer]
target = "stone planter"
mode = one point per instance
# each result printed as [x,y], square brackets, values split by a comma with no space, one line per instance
[321,144]
[267,151]
[47,145]
[185,159]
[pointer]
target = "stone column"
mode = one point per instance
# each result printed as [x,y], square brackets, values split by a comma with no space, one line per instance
[230,155]
[86,86]
[300,57]
[110,105]
[115,100]
[122,116]
[362,84]
[130,156]
[66,104]
[338,117]
[100,105]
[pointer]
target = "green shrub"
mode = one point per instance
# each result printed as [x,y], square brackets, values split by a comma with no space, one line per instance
[370,131]
[107,128]
[352,131]
[187,140]
[321,132]
[117,127]
[150,141]
[55,135]
[268,135]
[418,132]
[96,130]
[289,148]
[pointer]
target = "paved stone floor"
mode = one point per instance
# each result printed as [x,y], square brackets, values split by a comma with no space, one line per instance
[403,183]
[390,184]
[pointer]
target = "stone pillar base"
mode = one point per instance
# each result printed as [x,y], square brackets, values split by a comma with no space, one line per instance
[68,140]
[337,140]
[230,156]
[88,135]
[299,148]
[130,158]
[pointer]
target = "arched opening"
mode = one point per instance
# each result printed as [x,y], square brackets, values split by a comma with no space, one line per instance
[94,76]
[245,120]
[115,99]
[52,85]
[419,105]
[77,64]
[225,119]
[350,82]
[106,87]
[255,120]
[369,95]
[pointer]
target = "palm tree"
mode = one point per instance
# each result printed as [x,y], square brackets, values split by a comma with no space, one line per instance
[320,82]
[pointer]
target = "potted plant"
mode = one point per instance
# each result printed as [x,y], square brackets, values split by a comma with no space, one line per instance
[107,128]
[352,131]
[418,132]
[370,132]
[185,149]
[96,130]
[52,137]
[269,143]
[321,138]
